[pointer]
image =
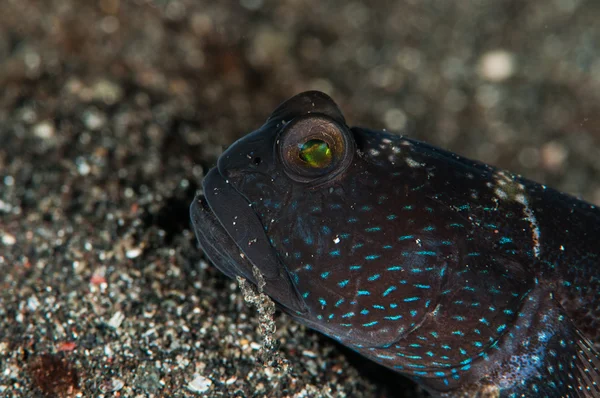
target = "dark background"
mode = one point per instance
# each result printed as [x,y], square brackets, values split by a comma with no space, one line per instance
[111,111]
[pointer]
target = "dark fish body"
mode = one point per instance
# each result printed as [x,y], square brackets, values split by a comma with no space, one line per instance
[466,278]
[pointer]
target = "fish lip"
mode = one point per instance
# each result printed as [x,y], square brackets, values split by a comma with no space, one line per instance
[212,238]
[235,248]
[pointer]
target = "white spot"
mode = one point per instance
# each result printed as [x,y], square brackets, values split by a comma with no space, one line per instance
[412,163]
[535,229]
[500,193]
[336,240]
[497,65]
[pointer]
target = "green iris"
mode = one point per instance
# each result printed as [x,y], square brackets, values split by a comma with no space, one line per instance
[316,153]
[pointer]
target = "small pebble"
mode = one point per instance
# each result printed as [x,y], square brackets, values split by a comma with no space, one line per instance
[200,384]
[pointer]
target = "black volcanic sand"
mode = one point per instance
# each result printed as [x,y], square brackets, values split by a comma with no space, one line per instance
[112,111]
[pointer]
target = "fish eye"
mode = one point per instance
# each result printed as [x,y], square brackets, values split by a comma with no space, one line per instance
[316,153]
[314,147]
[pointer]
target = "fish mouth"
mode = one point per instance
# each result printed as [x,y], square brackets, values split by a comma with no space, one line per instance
[234,239]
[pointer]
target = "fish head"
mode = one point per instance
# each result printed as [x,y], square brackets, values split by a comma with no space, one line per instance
[348,241]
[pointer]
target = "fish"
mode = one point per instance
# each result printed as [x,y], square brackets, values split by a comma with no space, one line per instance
[466,278]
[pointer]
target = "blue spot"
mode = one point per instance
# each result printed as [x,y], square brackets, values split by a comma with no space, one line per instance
[446,347]
[429,228]
[413,313]
[355,267]
[364,293]
[372,257]
[348,315]
[330,316]
[434,334]
[395,268]
[352,220]
[388,246]
[325,229]
[297,255]
[374,277]
[409,299]
[364,312]
[372,229]
[344,236]
[393,305]
[343,283]
[391,217]
[459,317]
[455,225]
[501,328]
[505,240]
[477,344]
[324,275]
[305,294]
[426,253]
[393,317]
[308,267]
[458,333]
[339,302]
[484,321]
[334,253]
[322,301]
[408,207]
[389,290]
[419,286]
[308,240]
[405,237]
[366,208]
[357,246]
[319,317]
[378,307]
[370,324]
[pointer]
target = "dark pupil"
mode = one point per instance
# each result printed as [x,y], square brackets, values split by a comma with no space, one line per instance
[316,153]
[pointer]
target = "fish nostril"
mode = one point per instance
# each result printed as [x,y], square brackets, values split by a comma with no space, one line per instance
[257,161]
